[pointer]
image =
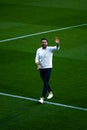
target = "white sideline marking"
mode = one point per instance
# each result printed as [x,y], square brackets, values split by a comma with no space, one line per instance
[51,103]
[39,33]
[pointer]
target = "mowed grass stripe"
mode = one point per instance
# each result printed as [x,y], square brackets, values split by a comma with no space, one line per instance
[39,33]
[51,103]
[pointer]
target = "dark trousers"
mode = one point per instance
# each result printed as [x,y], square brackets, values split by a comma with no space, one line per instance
[45,75]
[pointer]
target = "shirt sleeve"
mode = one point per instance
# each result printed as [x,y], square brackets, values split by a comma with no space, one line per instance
[37,57]
[54,48]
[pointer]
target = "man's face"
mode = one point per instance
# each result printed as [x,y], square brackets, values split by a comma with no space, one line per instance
[44,44]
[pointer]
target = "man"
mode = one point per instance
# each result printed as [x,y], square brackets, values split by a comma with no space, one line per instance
[43,61]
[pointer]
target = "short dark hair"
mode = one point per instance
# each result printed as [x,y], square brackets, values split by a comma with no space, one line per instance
[44,39]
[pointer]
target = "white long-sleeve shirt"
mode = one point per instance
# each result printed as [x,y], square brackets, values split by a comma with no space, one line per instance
[44,56]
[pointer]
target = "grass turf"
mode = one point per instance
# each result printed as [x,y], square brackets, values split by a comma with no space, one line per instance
[18,74]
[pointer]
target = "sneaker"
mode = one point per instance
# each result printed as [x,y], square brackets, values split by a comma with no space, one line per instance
[50,95]
[41,100]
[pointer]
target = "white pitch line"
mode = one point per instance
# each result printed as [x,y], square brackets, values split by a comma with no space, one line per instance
[51,103]
[39,33]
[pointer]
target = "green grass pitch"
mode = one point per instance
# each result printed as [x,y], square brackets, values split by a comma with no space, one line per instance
[18,74]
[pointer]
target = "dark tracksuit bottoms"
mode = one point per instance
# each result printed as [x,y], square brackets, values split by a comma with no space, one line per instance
[45,75]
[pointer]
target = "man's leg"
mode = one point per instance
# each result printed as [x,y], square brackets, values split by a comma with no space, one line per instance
[45,75]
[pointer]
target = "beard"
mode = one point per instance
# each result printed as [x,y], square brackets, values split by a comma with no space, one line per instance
[44,46]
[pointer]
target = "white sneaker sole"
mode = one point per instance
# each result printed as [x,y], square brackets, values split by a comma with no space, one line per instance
[50,96]
[41,101]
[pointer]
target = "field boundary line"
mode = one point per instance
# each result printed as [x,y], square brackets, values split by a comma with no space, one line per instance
[44,32]
[50,103]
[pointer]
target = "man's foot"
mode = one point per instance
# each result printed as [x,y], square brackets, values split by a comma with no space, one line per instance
[50,95]
[41,100]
